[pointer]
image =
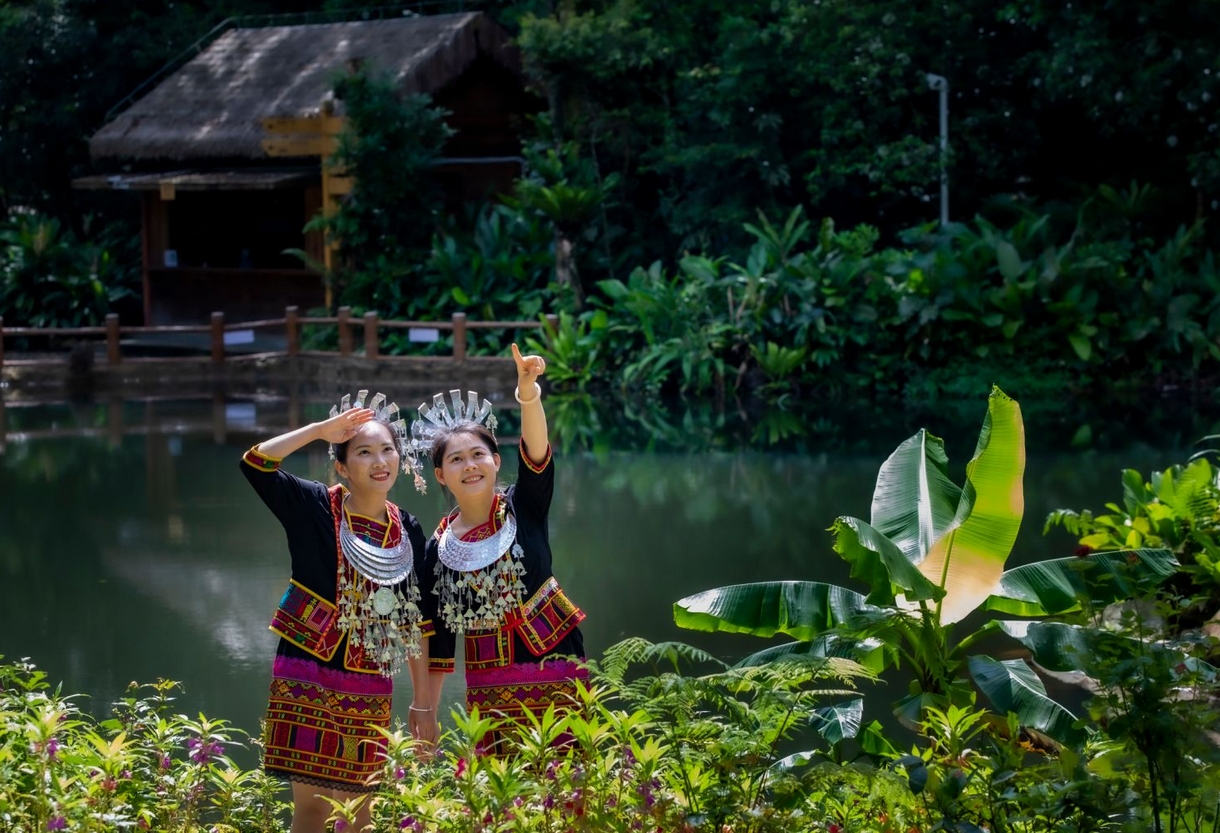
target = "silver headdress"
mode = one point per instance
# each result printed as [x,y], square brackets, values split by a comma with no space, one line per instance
[388,413]
[437,418]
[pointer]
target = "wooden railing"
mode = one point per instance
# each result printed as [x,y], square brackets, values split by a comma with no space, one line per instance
[291,324]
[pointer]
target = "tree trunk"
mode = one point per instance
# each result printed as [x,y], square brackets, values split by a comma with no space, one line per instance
[565,268]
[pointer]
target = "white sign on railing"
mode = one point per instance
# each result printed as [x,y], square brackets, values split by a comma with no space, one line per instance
[426,334]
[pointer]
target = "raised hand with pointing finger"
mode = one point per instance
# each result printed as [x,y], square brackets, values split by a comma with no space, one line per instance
[529,368]
[534,433]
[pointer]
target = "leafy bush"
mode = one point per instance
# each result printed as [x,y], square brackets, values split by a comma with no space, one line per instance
[145,769]
[49,279]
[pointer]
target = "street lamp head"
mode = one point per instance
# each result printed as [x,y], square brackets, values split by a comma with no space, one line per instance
[937,82]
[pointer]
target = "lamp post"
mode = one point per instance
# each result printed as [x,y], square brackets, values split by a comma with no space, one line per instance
[941,85]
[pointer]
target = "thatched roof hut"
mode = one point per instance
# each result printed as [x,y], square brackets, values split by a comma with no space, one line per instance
[214,106]
[222,209]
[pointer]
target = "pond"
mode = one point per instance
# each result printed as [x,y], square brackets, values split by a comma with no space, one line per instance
[132,549]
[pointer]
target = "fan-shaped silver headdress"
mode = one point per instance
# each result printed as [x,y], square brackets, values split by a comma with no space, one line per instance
[437,418]
[388,413]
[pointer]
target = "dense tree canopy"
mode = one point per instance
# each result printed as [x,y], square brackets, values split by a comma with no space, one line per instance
[756,183]
[711,109]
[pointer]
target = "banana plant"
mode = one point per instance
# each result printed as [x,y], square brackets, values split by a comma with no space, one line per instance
[932,553]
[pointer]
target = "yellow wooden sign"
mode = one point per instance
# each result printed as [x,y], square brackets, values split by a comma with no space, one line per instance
[312,136]
[300,145]
[324,125]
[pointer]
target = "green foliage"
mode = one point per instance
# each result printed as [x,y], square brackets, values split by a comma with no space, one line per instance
[706,103]
[1177,509]
[145,768]
[932,553]
[388,145]
[48,279]
[1155,700]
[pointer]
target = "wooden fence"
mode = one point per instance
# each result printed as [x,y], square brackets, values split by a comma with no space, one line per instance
[292,322]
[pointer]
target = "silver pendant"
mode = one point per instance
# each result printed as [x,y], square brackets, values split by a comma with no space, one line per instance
[384,601]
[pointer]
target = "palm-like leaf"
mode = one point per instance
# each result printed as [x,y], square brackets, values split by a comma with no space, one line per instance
[969,561]
[800,609]
[1058,585]
[1012,686]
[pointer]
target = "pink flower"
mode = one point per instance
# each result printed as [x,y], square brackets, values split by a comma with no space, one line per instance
[340,825]
[460,768]
[57,823]
[201,752]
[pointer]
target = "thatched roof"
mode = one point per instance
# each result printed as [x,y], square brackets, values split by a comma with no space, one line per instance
[214,105]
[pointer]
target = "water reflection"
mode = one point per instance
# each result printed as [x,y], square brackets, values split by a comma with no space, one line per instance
[132,549]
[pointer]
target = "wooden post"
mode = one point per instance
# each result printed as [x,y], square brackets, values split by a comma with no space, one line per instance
[113,354]
[551,328]
[345,331]
[292,330]
[372,344]
[459,336]
[218,337]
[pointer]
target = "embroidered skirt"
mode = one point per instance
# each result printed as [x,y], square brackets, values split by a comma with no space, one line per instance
[508,692]
[322,725]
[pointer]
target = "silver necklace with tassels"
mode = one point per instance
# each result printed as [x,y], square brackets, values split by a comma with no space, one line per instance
[381,615]
[479,582]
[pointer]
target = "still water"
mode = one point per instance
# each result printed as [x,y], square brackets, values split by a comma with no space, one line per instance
[132,549]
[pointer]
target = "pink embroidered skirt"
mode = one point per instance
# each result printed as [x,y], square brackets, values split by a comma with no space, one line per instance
[322,725]
[508,692]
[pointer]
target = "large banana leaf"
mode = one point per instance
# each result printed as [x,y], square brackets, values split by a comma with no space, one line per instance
[800,609]
[878,562]
[914,502]
[1012,686]
[1058,585]
[969,561]
[1054,645]
[870,653]
[1062,647]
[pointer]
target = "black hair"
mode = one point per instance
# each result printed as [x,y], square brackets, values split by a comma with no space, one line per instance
[341,448]
[441,442]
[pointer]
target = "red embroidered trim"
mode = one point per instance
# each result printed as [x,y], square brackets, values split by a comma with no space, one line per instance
[262,462]
[536,468]
[484,530]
